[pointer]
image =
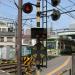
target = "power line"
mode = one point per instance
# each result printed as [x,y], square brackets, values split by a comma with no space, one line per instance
[63,11]
[69,14]
[4,18]
[34,17]
[50,15]
[10,1]
[7,5]
[71,2]
[70,6]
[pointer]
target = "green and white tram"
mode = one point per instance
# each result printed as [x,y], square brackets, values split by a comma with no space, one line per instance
[52,46]
[60,46]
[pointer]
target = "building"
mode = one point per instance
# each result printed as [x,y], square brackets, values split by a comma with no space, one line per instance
[8,41]
[7,35]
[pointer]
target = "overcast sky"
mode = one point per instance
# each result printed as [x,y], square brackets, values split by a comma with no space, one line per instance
[9,10]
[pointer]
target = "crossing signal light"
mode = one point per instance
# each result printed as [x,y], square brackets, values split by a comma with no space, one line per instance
[27,8]
[55,2]
[55,15]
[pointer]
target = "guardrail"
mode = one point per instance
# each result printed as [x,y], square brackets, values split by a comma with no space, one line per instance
[66,72]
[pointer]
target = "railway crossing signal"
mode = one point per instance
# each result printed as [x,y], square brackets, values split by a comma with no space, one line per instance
[55,15]
[54,3]
[27,8]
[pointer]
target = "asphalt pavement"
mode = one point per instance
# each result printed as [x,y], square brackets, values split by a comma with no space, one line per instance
[58,65]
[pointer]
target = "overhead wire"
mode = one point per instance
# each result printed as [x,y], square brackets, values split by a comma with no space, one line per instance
[50,4]
[71,2]
[10,1]
[69,14]
[4,18]
[70,6]
[63,11]
[6,5]
[50,15]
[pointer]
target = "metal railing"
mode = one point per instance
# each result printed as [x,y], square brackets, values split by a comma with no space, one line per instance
[66,72]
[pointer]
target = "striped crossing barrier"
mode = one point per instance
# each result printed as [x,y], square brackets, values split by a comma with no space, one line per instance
[28,63]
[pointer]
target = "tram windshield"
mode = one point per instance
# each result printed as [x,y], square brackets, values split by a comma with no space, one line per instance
[51,45]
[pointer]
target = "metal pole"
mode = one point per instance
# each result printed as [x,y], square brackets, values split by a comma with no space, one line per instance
[19,38]
[42,14]
[38,25]
[70,72]
[46,31]
[73,63]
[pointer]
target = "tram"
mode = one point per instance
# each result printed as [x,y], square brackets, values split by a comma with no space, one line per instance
[60,46]
[52,46]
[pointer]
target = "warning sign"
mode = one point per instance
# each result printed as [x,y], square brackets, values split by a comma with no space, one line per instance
[40,33]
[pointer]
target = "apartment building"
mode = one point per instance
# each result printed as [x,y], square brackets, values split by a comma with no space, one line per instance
[7,35]
[8,41]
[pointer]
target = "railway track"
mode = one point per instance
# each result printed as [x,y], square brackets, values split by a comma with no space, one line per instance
[8,67]
[11,68]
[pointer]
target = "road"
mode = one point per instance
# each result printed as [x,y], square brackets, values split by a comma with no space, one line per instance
[58,65]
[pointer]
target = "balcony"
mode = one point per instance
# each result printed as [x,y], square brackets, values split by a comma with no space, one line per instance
[7,33]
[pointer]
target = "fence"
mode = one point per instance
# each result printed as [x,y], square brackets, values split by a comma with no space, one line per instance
[66,72]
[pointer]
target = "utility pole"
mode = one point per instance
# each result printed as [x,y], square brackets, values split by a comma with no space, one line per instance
[19,38]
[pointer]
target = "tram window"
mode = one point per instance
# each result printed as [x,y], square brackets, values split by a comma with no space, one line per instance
[58,45]
[51,45]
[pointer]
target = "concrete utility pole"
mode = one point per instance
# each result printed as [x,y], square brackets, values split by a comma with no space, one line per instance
[19,38]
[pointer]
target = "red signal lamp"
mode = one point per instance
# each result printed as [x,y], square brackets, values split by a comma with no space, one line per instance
[27,8]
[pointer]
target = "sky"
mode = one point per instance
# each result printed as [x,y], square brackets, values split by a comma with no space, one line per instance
[9,10]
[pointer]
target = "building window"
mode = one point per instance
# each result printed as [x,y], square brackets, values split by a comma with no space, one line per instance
[3,29]
[9,39]
[1,46]
[1,39]
[25,41]
[10,29]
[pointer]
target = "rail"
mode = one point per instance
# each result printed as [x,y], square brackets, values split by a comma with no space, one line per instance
[12,68]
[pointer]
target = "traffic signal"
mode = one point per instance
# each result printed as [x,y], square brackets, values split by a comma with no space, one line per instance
[55,15]
[54,3]
[27,8]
